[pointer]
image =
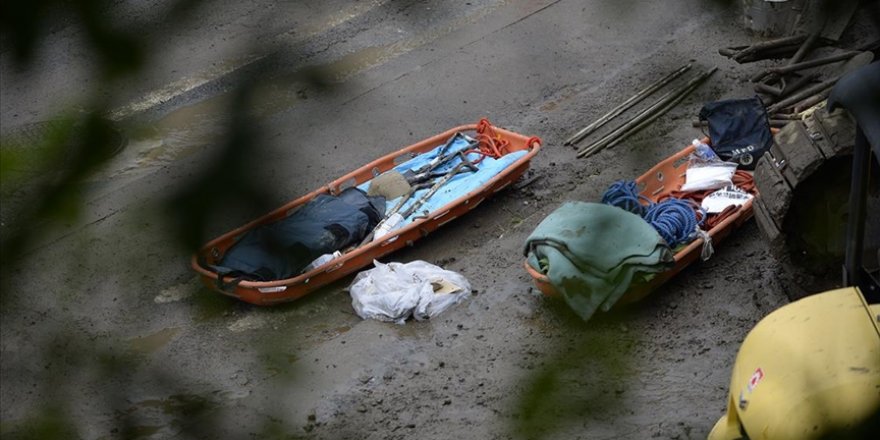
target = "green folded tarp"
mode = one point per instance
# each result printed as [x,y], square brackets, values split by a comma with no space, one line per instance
[592,253]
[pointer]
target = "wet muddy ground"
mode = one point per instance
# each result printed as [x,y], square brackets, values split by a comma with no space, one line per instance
[106,329]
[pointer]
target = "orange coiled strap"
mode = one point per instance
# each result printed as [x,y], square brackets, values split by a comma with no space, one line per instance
[490,143]
[741,179]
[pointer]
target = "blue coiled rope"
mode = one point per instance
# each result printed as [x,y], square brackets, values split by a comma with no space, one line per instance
[674,219]
[624,194]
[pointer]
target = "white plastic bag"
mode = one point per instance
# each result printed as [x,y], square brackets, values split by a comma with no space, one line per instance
[729,195]
[706,171]
[395,291]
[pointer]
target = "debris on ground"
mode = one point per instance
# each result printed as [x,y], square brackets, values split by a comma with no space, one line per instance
[394,292]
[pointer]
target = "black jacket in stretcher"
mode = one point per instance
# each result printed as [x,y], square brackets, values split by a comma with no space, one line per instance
[282,249]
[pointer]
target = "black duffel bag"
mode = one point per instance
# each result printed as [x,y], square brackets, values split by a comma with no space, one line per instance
[739,130]
[282,249]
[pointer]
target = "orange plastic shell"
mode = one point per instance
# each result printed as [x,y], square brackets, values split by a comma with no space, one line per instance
[661,180]
[279,291]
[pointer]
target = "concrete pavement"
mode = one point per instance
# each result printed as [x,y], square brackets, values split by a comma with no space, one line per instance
[177,360]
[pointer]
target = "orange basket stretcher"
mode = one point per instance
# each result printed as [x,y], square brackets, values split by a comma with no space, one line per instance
[284,290]
[658,183]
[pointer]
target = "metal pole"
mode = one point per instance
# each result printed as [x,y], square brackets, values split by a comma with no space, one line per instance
[805,47]
[797,57]
[654,116]
[794,85]
[806,65]
[803,94]
[770,90]
[811,101]
[642,94]
[644,114]
[755,48]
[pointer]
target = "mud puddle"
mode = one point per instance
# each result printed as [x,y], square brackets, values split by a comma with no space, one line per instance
[151,343]
[167,416]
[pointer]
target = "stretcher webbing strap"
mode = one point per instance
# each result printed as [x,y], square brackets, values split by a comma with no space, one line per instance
[741,179]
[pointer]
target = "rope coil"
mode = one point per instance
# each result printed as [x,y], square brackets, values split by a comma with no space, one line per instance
[491,144]
[625,194]
[676,220]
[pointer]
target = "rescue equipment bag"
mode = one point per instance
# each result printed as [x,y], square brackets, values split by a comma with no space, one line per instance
[282,249]
[738,129]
